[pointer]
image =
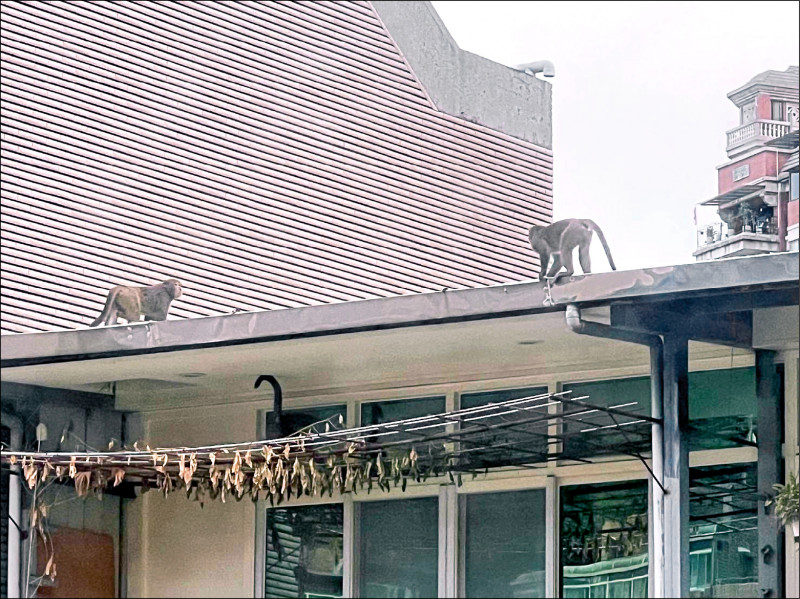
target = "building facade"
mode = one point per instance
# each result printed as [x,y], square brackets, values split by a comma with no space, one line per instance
[758,186]
[285,160]
[574,526]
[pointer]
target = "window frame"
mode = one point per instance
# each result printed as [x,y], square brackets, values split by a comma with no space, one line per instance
[451,532]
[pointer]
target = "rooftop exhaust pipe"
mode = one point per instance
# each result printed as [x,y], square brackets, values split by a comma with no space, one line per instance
[545,67]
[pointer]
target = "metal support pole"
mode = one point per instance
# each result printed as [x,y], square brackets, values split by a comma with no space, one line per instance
[656,496]
[676,466]
[770,541]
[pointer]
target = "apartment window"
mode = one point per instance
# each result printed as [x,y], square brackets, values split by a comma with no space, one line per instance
[778,110]
[722,407]
[723,531]
[604,543]
[379,412]
[629,394]
[506,440]
[304,551]
[302,418]
[399,548]
[794,186]
[504,550]
[747,113]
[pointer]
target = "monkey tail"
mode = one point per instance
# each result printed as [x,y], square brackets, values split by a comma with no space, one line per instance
[602,237]
[106,309]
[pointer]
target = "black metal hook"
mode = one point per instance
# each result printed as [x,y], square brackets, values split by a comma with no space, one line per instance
[277,402]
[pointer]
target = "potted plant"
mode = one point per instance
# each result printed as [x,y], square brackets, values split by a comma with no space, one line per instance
[787,504]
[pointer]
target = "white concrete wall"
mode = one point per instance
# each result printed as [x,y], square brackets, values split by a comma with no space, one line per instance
[175,547]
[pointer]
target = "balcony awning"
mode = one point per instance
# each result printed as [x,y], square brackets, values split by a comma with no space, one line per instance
[785,142]
[736,195]
[792,164]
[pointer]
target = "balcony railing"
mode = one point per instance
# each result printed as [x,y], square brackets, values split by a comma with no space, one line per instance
[720,231]
[760,130]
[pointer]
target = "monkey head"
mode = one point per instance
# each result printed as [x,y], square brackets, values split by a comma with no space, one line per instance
[173,287]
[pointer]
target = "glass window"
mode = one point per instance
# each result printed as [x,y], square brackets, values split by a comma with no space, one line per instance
[722,407]
[511,445]
[304,551]
[723,531]
[778,110]
[629,394]
[303,418]
[604,545]
[378,412]
[505,544]
[794,186]
[399,548]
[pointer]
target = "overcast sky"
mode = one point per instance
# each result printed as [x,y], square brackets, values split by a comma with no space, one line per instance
[640,105]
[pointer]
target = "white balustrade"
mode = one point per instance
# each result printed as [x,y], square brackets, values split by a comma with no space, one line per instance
[760,129]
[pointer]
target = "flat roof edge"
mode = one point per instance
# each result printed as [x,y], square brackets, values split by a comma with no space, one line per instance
[499,301]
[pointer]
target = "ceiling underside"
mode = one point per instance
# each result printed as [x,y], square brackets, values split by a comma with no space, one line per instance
[539,345]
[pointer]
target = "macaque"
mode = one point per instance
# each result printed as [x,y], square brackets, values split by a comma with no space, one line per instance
[560,239]
[130,303]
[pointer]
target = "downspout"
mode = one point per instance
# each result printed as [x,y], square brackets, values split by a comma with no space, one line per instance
[14,509]
[656,345]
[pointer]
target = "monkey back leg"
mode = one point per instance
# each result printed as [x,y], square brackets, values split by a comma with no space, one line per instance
[566,258]
[585,260]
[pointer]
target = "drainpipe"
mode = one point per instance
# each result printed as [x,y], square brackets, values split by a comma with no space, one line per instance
[656,507]
[14,509]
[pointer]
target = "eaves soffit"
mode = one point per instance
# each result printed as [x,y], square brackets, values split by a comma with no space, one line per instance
[515,299]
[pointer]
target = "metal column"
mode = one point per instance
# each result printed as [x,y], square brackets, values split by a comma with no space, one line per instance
[770,542]
[656,494]
[676,466]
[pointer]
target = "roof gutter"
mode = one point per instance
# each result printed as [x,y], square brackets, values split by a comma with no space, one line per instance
[656,511]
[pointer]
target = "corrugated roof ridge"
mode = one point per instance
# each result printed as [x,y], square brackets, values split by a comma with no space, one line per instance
[315,249]
[498,160]
[499,169]
[70,157]
[508,142]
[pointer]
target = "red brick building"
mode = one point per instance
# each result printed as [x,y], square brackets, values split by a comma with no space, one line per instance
[758,186]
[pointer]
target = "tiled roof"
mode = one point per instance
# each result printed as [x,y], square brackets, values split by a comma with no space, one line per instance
[788,79]
[267,154]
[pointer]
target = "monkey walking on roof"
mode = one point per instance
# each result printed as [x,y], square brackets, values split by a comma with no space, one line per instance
[130,303]
[560,239]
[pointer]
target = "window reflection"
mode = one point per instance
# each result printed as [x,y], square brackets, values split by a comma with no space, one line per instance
[379,412]
[722,407]
[505,544]
[523,443]
[604,544]
[628,394]
[304,551]
[723,531]
[399,549]
[303,418]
